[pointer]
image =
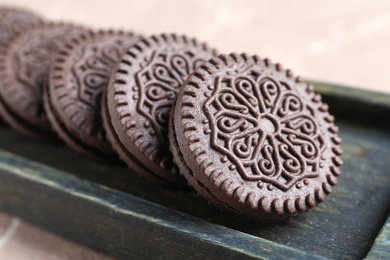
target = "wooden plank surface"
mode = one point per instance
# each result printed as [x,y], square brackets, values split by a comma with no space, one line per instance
[128,217]
[381,247]
[117,223]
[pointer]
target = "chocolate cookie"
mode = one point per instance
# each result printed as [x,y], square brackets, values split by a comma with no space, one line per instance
[24,65]
[14,21]
[253,139]
[77,77]
[139,99]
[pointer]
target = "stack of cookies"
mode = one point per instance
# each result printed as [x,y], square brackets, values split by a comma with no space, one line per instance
[246,134]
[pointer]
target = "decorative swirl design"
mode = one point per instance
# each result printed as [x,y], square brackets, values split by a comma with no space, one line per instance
[307,147]
[303,124]
[291,163]
[93,69]
[264,128]
[243,147]
[230,125]
[94,80]
[246,89]
[97,63]
[229,100]
[266,163]
[156,92]
[162,116]
[111,53]
[290,104]
[181,65]
[270,92]
[158,84]
[161,73]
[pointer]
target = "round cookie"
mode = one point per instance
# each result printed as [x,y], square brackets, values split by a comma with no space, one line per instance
[24,64]
[77,77]
[253,139]
[14,21]
[140,97]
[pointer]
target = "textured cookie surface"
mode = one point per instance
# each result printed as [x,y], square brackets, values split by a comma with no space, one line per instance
[255,138]
[145,85]
[24,66]
[76,80]
[14,21]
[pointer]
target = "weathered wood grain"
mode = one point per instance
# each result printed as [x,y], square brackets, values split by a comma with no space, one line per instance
[127,217]
[120,224]
[381,247]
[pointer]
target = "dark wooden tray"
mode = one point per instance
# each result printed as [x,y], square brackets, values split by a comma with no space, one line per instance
[110,210]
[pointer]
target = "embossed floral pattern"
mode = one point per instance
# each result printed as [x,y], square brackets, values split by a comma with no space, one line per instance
[265,129]
[93,70]
[158,84]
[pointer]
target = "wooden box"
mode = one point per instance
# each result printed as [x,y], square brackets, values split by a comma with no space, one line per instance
[112,211]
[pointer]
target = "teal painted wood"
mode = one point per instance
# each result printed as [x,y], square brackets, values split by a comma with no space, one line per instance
[381,247]
[120,224]
[368,98]
[356,104]
[174,223]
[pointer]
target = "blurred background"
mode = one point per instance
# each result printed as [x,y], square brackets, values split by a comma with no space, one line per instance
[344,42]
